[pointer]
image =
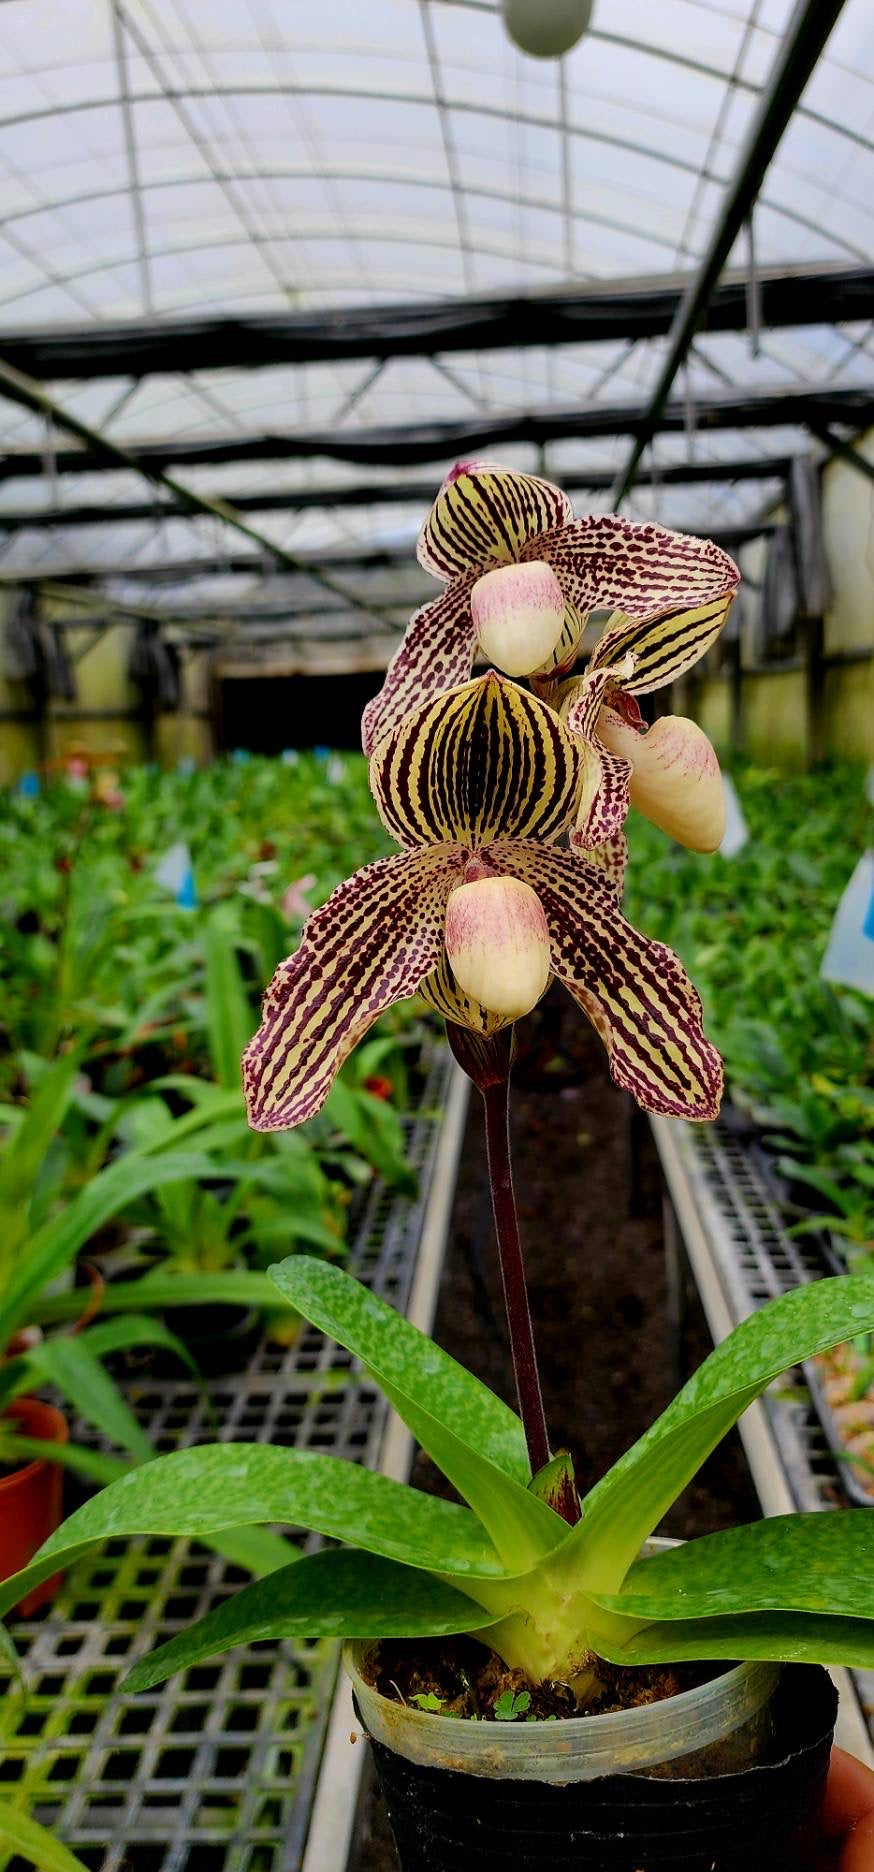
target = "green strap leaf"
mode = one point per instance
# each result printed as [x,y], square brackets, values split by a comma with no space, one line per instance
[134,1329]
[779,1637]
[71,1365]
[54,1245]
[819,1563]
[477,1442]
[622,1509]
[169,1287]
[38,1124]
[374,1130]
[221,1486]
[229,1019]
[39,1848]
[346,1594]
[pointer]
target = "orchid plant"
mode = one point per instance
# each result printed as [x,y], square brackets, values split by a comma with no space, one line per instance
[477,780]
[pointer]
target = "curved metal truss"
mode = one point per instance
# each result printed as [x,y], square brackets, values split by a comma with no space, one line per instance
[246,158]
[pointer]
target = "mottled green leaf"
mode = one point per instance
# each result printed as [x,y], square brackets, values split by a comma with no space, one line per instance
[622,1509]
[780,1637]
[199,1492]
[347,1594]
[821,1563]
[477,1442]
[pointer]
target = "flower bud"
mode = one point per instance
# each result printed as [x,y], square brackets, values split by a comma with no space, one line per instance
[518,615]
[497,942]
[675,777]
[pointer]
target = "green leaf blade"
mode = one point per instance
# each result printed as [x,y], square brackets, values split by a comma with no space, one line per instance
[54,1245]
[202,1491]
[623,1508]
[817,1563]
[777,1637]
[40,1848]
[346,1594]
[477,1442]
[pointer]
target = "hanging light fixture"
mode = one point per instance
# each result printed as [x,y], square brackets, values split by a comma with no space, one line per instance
[546,28]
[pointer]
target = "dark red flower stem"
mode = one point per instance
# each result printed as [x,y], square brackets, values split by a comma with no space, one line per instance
[488,1062]
[496,1099]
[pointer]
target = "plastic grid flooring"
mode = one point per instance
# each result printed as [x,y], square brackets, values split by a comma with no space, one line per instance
[757,1260]
[215,1770]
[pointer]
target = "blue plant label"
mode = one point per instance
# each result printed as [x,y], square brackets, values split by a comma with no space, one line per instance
[736,832]
[175,874]
[28,785]
[868,925]
[849,958]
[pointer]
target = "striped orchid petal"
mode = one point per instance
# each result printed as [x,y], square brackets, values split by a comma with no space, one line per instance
[675,777]
[672,592]
[437,653]
[374,941]
[635,991]
[485,761]
[605,790]
[486,515]
[441,991]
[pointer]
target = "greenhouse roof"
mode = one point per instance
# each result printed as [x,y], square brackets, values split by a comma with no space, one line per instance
[338,210]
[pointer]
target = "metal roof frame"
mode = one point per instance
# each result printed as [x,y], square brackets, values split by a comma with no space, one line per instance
[811,26]
[383,494]
[444,441]
[602,312]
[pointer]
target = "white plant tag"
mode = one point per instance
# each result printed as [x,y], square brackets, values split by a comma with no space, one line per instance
[736,833]
[849,958]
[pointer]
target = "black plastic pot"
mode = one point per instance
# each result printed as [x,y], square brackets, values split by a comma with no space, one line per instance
[220,1339]
[765,1819]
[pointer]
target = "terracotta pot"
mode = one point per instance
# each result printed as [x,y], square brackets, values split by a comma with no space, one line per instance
[31,1500]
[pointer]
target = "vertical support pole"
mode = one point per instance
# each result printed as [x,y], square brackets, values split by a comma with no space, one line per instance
[814,685]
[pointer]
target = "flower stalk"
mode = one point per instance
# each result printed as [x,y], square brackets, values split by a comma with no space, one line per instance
[488,1062]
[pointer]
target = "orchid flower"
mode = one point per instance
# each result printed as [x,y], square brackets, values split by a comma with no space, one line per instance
[477,912]
[522,579]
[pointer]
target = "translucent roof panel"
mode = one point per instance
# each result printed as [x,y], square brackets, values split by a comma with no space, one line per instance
[168,158]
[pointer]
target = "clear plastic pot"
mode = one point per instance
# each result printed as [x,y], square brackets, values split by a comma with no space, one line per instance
[728,1716]
[701,1811]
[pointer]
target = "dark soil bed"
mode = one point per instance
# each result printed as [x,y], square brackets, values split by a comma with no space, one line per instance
[596,1272]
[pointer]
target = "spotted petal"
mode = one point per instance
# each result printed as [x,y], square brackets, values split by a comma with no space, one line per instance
[437,653]
[373,942]
[672,593]
[487,760]
[485,515]
[635,991]
[612,859]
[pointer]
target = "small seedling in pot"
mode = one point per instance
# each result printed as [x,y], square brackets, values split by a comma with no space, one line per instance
[511,1705]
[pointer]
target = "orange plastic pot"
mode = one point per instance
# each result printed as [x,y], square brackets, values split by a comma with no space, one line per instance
[31,1500]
